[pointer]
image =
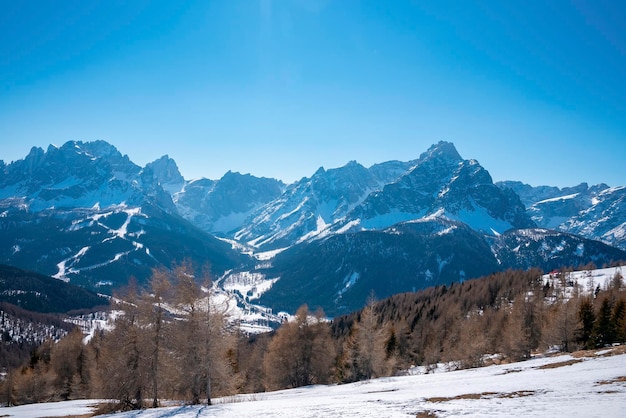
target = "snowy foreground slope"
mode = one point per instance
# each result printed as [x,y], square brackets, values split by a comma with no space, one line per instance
[594,385]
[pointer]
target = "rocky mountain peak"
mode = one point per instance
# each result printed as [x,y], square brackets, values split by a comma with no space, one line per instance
[442,150]
[166,171]
[80,175]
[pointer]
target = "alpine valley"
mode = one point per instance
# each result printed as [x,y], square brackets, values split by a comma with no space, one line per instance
[86,214]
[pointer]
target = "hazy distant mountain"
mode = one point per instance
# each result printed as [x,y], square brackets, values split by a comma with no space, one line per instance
[222,206]
[595,212]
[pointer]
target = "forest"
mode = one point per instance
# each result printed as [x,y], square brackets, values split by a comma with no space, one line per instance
[173,341]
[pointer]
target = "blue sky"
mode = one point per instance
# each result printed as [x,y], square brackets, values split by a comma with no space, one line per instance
[535,91]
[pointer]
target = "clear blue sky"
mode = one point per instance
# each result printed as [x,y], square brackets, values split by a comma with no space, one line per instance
[534,90]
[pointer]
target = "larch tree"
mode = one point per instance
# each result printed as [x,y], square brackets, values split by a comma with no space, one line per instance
[122,366]
[301,353]
[69,366]
[366,347]
[204,339]
[152,317]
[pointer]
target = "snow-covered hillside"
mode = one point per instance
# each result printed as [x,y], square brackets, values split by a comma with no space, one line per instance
[590,385]
[583,282]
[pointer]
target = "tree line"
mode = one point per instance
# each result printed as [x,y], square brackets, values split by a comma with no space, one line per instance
[172,341]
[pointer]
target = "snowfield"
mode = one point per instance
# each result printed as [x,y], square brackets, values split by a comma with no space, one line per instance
[593,385]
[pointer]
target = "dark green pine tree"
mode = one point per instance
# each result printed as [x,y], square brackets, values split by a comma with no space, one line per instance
[604,327]
[619,321]
[587,318]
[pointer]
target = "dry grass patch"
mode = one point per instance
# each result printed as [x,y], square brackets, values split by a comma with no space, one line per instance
[602,352]
[518,394]
[426,414]
[512,371]
[483,395]
[75,416]
[559,364]
[459,397]
[621,379]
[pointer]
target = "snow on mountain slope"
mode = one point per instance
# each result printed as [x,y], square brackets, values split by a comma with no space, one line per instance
[604,220]
[78,175]
[442,183]
[72,265]
[595,212]
[550,250]
[531,195]
[223,205]
[559,386]
[353,198]
[307,206]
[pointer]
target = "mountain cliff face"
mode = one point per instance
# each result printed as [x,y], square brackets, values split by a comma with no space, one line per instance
[166,172]
[604,220]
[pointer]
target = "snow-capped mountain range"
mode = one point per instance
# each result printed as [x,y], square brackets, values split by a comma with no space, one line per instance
[86,213]
[595,212]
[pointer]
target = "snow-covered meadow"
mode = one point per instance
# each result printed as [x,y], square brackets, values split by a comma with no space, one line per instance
[593,385]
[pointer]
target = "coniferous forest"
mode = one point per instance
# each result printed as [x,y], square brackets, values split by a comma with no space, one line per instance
[171,340]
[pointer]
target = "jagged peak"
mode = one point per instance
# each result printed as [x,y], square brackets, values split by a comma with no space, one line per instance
[319,171]
[233,174]
[164,161]
[442,149]
[349,167]
[34,158]
[165,170]
[99,148]
[35,152]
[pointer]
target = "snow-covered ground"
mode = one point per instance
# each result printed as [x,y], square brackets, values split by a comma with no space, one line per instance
[592,386]
[51,409]
[583,281]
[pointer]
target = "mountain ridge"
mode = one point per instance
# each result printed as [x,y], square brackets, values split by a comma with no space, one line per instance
[86,213]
